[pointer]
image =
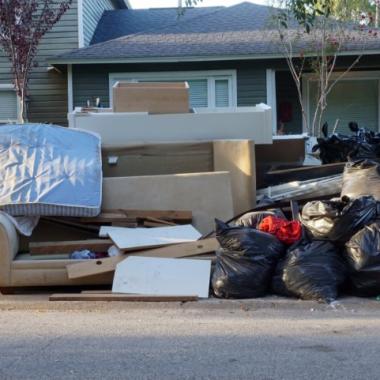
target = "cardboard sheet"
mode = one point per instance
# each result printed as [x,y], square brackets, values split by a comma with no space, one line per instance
[129,238]
[162,277]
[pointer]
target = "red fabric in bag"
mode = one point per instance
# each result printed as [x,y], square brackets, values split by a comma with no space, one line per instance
[285,231]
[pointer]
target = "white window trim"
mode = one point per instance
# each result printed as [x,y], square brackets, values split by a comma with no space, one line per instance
[211,75]
[272,97]
[80,24]
[70,90]
[7,87]
[352,75]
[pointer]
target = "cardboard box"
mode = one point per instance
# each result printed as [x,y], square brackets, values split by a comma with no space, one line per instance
[154,98]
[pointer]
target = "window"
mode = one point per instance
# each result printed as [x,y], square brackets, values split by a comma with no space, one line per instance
[207,89]
[8,104]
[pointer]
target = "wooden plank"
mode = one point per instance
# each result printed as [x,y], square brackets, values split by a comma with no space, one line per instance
[158,221]
[95,267]
[96,245]
[120,297]
[97,292]
[108,217]
[149,224]
[183,216]
[75,225]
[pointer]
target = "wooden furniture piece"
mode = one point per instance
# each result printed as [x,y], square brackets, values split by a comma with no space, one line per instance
[235,156]
[154,98]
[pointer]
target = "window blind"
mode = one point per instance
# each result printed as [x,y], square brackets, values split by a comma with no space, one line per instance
[221,93]
[198,92]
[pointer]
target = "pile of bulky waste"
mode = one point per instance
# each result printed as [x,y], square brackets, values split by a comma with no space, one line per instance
[330,248]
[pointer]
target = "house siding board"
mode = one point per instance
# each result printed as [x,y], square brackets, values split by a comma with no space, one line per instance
[48,89]
[93,11]
[91,81]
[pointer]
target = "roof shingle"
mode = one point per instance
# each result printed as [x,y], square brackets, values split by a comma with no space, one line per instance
[241,30]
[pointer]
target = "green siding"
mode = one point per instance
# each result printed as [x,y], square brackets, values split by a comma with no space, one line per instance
[92,12]
[91,81]
[48,88]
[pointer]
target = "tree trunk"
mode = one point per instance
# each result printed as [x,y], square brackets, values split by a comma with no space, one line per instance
[21,113]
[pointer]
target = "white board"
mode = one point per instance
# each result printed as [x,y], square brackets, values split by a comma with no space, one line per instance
[128,238]
[162,277]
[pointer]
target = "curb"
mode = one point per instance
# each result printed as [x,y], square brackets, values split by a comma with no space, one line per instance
[41,303]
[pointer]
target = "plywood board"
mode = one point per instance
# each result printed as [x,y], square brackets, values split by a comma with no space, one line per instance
[162,277]
[238,158]
[158,159]
[131,238]
[110,216]
[120,297]
[95,267]
[121,129]
[208,195]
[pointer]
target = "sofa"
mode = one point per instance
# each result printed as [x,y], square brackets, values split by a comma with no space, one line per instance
[208,195]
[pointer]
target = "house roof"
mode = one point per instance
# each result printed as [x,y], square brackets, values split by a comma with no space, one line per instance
[124,22]
[240,31]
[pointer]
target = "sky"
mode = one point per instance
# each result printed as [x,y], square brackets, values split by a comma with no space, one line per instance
[173,3]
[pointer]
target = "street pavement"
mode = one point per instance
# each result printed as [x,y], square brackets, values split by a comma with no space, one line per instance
[266,339]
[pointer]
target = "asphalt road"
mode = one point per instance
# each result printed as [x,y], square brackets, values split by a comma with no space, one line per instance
[236,341]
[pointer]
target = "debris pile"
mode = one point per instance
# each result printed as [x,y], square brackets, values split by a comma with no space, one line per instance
[314,249]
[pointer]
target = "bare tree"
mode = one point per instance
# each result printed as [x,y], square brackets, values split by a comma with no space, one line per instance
[23,24]
[313,40]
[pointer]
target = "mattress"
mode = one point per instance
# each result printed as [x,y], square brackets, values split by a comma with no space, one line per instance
[49,170]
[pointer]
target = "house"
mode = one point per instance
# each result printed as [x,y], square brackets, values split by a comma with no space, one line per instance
[48,85]
[229,55]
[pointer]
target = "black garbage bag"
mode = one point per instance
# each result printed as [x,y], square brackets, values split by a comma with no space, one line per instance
[362,144]
[245,263]
[334,149]
[363,258]
[310,271]
[361,178]
[253,219]
[337,220]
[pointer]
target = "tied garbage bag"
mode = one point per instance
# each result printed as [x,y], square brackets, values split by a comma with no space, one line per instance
[310,271]
[253,219]
[362,144]
[361,178]
[285,231]
[363,257]
[245,262]
[338,220]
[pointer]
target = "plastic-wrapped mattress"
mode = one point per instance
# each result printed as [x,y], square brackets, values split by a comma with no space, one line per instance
[49,170]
